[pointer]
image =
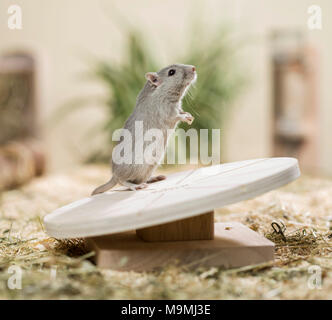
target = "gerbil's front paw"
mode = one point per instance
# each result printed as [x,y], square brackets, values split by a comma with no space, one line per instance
[187,117]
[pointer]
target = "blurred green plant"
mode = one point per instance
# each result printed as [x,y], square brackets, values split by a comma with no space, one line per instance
[124,81]
[219,81]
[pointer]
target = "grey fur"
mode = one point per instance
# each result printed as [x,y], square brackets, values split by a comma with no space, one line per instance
[158,106]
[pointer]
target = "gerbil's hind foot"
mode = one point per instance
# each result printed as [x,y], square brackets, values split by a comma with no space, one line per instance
[134,186]
[156,179]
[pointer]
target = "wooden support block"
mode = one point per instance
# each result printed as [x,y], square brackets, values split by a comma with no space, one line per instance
[196,228]
[234,245]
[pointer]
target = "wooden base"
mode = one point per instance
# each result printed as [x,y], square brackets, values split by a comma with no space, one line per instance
[196,228]
[234,245]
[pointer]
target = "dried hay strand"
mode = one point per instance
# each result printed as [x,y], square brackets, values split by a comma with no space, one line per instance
[297,218]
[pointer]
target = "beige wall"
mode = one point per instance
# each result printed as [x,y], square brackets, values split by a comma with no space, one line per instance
[63,32]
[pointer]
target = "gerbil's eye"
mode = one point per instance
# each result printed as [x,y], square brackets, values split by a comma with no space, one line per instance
[171,72]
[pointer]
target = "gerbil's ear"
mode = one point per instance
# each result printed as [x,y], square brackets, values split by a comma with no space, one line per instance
[153,78]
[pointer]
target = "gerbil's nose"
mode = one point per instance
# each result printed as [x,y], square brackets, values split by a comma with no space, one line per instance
[194,69]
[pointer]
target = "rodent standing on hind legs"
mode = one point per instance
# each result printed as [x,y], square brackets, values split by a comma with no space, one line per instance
[158,106]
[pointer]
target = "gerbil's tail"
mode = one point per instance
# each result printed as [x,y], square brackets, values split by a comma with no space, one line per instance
[110,184]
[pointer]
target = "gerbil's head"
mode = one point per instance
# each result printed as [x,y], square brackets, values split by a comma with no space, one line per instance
[172,81]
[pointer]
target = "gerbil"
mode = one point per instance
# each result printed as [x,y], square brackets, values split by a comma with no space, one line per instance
[158,106]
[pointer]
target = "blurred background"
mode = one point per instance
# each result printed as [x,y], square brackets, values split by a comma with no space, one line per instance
[70,77]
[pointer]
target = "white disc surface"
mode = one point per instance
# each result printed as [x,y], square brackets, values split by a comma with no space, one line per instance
[182,195]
